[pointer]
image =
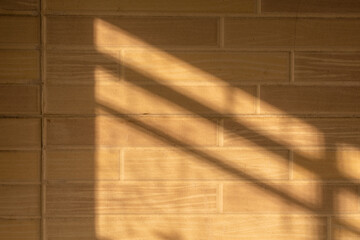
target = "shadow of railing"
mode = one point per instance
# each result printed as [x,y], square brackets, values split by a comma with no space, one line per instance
[251,134]
[199,109]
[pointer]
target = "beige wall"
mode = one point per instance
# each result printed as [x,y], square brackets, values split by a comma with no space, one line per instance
[179,120]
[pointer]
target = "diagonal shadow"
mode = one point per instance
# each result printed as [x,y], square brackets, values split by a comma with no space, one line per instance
[173,96]
[199,109]
[210,114]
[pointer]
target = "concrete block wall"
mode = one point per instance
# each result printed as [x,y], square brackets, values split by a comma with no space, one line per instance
[179,120]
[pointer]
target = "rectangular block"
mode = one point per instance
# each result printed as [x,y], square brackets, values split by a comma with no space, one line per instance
[80,67]
[20,166]
[204,164]
[309,99]
[200,227]
[345,227]
[19,132]
[317,33]
[311,198]
[74,99]
[265,132]
[134,31]
[147,99]
[327,67]
[18,6]
[83,165]
[27,229]
[19,99]
[259,32]
[19,30]
[131,131]
[143,197]
[19,66]
[326,164]
[19,200]
[203,67]
[200,6]
[310,6]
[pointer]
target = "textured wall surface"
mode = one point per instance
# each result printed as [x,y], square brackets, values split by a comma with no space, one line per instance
[179,120]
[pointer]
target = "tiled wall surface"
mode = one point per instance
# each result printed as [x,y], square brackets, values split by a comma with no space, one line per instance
[179,120]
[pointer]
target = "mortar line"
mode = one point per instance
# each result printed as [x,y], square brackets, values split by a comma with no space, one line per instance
[214,47]
[258,7]
[328,227]
[43,123]
[255,14]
